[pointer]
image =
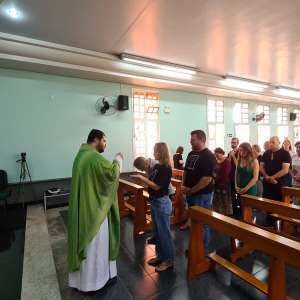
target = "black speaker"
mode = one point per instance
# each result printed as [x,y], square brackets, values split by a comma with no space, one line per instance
[123,102]
[293,116]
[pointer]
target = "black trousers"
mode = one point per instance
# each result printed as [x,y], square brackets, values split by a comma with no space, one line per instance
[272,191]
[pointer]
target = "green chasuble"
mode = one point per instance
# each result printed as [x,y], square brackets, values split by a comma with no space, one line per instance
[93,197]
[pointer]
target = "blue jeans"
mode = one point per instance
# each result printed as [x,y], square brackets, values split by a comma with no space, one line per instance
[161,209]
[202,200]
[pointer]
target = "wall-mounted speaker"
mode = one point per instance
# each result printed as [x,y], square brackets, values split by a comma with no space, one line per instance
[293,116]
[123,102]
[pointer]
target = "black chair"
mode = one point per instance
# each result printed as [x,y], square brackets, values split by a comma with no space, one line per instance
[4,191]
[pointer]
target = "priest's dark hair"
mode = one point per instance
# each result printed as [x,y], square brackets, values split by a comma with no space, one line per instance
[95,134]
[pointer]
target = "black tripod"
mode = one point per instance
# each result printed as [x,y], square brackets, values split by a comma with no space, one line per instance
[24,173]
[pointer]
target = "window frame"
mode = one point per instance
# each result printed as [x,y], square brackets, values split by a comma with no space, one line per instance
[215,121]
[144,119]
[242,122]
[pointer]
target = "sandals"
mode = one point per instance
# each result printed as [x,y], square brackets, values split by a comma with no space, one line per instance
[154,261]
[163,266]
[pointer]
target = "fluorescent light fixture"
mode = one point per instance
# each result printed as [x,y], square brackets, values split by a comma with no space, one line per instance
[168,73]
[243,84]
[286,92]
[13,13]
[157,64]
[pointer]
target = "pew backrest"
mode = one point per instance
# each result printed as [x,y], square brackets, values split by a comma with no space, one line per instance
[262,240]
[130,186]
[289,192]
[270,206]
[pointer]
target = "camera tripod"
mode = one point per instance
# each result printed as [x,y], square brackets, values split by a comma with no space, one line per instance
[24,173]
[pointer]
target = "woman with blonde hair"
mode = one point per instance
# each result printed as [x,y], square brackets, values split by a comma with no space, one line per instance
[287,145]
[247,171]
[161,207]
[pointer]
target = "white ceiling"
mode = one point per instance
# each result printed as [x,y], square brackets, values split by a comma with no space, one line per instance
[257,39]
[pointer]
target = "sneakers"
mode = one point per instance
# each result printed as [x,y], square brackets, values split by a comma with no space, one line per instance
[154,261]
[163,266]
[159,265]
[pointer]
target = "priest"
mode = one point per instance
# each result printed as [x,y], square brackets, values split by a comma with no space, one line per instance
[93,217]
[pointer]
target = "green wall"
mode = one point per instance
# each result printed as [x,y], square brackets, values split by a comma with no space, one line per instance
[50,116]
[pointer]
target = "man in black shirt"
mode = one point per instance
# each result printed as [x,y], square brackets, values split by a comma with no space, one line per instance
[198,176]
[274,167]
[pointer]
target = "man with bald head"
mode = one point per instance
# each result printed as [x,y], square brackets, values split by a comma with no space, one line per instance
[274,167]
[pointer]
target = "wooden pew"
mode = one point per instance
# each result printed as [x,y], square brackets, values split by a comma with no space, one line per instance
[179,204]
[288,193]
[280,249]
[178,214]
[288,213]
[142,221]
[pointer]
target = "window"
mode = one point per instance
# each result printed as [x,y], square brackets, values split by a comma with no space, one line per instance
[215,118]
[296,134]
[296,124]
[282,121]
[146,122]
[282,132]
[264,134]
[282,116]
[263,131]
[242,133]
[215,136]
[241,113]
[241,118]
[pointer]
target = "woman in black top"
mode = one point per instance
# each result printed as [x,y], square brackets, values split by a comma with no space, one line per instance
[177,158]
[161,207]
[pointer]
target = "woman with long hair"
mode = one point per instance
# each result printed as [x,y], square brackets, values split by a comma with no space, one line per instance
[161,207]
[222,202]
[247,171]
[287,146]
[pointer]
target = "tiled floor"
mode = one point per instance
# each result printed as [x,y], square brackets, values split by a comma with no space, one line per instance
[12,235]
[137,280]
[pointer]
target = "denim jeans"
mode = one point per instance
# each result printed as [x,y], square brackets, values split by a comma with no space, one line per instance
[161,209]
[205,201]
